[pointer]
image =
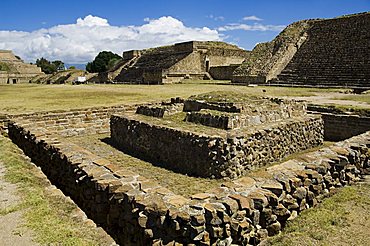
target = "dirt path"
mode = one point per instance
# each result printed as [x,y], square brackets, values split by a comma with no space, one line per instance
[11,230]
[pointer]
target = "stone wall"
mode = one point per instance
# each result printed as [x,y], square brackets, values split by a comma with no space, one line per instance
[255,106]
[340,124]
[197,105]
[340,127]
[69,123]
[161,110]
[234,120]
[137,211]
[216,157]
[222,72]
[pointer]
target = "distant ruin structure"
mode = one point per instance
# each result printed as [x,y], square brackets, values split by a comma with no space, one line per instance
[329,53]
[174,63]
[13,70]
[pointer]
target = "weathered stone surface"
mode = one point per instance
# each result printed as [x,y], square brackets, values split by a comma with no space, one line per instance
[16,71]
[200,196]
[273,186]
[300,193]
[274,228]
[148,214]
[174,63]
[227,157]
[243,202]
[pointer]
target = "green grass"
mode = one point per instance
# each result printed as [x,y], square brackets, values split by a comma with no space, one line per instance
[358,98]
[343,219]
[48,216]
[35,98]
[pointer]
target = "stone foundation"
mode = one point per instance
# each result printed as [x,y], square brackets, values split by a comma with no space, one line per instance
[69,123]
[160,111]
[263,106]
[228,121]
[222,72]
[137,211]
[212,156]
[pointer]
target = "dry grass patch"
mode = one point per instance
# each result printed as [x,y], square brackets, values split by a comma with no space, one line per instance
[48,216]
[24,98]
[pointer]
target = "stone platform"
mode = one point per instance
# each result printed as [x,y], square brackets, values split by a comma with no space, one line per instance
[254,132]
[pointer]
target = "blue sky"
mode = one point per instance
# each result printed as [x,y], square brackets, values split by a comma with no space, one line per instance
[50,28]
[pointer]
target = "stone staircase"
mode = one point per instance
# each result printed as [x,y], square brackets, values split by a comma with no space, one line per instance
[123,65]
[336,53]
[152,60]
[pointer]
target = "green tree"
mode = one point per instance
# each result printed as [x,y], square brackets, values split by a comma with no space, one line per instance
[58,64]
[46,66]
[49,67]
[103,62]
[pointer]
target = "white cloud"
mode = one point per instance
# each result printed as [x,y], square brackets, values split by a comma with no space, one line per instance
[254,27]
[216,18]
[252,18]
[82,41]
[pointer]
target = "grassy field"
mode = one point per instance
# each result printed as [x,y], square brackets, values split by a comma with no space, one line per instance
[343,219]
[32,98]
[50,217]
[360,98]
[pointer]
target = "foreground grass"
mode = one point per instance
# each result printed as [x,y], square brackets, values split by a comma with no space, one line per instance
[46,214]
[32,97]
[343,219]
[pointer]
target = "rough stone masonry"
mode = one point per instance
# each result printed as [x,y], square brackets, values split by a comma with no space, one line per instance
[285,129]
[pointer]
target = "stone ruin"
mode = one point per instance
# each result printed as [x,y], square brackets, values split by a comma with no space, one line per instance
[320,52]
[251,133]
[13,70]
[247,209]
[174,63]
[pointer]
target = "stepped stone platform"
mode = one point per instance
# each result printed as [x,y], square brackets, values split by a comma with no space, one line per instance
[166,108]
[13,70]
[137,210]
[174,63]
[324,53]
[265,130]
[335,54]
[252,111]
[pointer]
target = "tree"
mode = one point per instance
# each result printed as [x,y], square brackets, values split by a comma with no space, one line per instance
[103,62]
[58,64]
[46,66]
[49,67]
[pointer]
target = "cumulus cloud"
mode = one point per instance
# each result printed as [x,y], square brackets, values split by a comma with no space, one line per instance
[252,18]
[254,27]
[82,41]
